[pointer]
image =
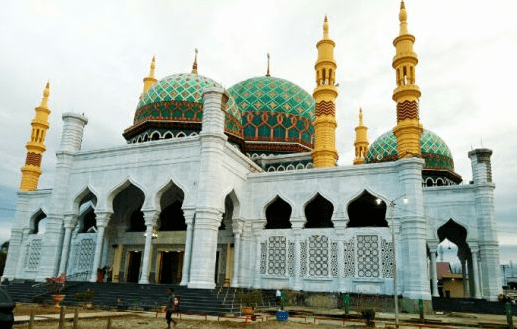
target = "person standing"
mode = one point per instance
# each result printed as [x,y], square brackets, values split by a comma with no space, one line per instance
[171,307]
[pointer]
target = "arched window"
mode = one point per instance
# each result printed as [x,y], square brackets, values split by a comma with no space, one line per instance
[38,223]
[429,182]
[172,219]
[278,214]
[367,211]
[155,136]
[319,213]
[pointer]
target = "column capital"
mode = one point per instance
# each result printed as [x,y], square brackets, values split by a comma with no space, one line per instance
[474,246]
[298,222]
[433,245]
[70,221]
[258,226]
[150,216]
[103,217]
[189,213]
[237,225]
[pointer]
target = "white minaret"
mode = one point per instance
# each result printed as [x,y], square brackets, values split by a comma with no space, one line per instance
[209,209]
[488,243]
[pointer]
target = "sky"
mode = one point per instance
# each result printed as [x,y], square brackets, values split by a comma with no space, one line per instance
[95,54]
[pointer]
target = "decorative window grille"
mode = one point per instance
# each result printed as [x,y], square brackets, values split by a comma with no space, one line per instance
[263,248]
[318,255]
[277,258]
[333,259]
[303,258]
[368,256]
[349,257]
[387,258]
[33,255]
[290,259]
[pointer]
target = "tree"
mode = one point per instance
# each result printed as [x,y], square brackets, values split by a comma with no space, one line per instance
[3,256]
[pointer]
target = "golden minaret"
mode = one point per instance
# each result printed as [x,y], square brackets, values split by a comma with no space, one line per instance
[35,147]
[325,94]
[361,140]
[150,79]
[407,93]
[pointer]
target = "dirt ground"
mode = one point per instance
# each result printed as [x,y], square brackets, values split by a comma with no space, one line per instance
[25,309]
[147,322]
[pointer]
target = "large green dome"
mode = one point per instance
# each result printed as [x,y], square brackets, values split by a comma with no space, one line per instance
[434,150]
[177,100]
[277,115]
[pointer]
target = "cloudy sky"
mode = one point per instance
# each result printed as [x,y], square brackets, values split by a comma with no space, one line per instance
[95,54]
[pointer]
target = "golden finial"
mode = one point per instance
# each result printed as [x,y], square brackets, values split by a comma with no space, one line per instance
[403,18]
[361,117]
[46,93]
[325,28]
[153,66]
[194,66]
[267,73]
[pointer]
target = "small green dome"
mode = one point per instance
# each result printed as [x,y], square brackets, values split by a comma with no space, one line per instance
[434,150]
[179,98]
[275,110]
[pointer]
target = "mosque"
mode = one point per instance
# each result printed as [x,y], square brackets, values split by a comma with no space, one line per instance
[241,188]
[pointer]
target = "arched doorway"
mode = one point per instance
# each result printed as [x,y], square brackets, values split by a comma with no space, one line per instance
[169,253]
[454,261]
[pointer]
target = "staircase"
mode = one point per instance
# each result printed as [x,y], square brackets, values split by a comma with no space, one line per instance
[135,296]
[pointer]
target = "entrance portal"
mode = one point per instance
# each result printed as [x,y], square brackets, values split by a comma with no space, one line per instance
[133,268]
[171,266]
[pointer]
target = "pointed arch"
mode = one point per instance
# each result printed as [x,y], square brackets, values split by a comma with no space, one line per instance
[169,200]
[35,220]
[278,214]
[318,212]
[87,219]
[155,135]
[232,194]
[87,194]
[119,188]
[454,232]
[367,210]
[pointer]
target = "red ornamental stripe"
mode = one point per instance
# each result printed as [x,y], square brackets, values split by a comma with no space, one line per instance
[33,159]
[407,110]
[327,108]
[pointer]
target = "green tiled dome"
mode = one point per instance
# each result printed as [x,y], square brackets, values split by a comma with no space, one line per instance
[179,98]
[275,110]
[434,150]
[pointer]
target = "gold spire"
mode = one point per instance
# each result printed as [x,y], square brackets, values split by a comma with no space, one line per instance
[194,66]
[325,28]
[267,73]
[407,93]
[361,140]
[325,94]
[35,147]
[150,79]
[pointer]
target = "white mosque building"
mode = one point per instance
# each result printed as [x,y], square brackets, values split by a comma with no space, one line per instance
[240,187]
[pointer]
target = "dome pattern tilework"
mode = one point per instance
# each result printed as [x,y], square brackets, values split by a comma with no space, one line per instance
[179,97]
[275,110]
[434,150]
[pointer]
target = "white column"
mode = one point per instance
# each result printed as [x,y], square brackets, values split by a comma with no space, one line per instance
[465,278]
[434,276]
[69,222]
[150,217]
[258,254]
[189,220]
[475,266]
[236,257]
[23,251]
[297,235]
[102,221]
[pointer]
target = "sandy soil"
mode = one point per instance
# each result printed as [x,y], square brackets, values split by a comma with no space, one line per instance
[146,322]
[25,309]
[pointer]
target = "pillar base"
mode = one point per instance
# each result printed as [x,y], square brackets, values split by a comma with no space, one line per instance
[201,285]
